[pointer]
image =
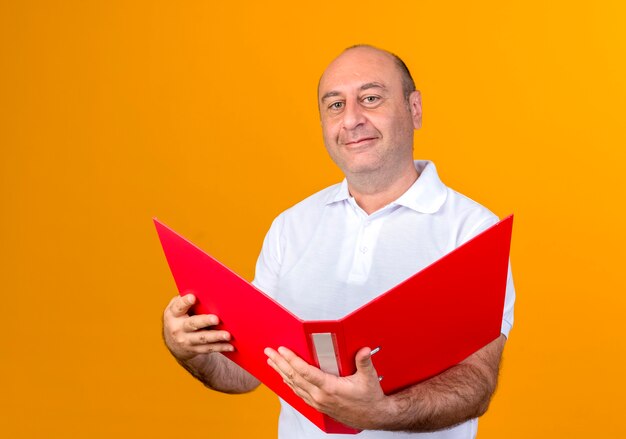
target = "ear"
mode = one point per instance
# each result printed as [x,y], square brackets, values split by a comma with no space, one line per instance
[415,104]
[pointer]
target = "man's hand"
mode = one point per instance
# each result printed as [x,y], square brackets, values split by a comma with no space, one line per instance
[194,345]
[188,336]
[456,395]
[353,400]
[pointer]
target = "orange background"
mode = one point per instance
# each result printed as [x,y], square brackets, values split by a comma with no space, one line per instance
[204,115]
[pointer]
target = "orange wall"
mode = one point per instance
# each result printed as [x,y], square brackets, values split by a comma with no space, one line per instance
[204,115]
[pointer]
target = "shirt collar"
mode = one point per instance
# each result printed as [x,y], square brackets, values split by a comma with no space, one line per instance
[340,194]
[426,195]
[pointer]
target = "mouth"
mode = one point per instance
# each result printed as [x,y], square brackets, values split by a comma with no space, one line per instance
[359,142]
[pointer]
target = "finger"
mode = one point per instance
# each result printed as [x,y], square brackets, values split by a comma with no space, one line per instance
[201,321]
[288,381]
[213,347]
[291,378]
[280,365]
[310,376]
[291,381]
[282,374]
[276,361]
[179,306]
[208,337]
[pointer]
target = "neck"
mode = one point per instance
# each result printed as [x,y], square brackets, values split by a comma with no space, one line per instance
[373,192]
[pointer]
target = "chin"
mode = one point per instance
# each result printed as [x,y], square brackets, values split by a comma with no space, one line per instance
[361,168]
[360,163]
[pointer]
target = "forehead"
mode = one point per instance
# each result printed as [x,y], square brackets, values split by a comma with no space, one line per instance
[359,66]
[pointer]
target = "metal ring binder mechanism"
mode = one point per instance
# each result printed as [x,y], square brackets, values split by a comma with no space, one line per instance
[374,351]
[326,352]
[418,320]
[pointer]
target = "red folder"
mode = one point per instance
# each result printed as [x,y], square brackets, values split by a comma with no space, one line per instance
[424,325]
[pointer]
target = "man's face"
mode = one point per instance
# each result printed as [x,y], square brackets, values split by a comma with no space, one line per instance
[366,121]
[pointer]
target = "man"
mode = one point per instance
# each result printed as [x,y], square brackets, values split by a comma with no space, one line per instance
[343,246]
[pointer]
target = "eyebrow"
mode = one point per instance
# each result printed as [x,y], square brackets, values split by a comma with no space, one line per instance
[365,86]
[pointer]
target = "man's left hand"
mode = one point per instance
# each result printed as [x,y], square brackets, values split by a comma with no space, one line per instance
[354,400]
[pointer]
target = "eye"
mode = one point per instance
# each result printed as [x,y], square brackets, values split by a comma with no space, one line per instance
[372,99]
[337,105]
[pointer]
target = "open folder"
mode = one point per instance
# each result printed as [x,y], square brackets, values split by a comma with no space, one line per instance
[424,325]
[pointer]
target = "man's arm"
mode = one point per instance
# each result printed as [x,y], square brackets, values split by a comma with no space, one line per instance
[460,393]
[196,348]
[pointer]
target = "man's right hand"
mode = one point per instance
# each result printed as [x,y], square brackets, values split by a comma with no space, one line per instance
[188,336]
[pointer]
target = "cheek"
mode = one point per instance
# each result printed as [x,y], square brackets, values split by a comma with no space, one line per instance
[401,126]
[329,132]
[379,119]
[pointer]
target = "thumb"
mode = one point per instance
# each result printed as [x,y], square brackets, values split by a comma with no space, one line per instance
[179,306]
[363,361]
[189,299]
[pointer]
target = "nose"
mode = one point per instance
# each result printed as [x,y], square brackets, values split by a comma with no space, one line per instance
[353,115]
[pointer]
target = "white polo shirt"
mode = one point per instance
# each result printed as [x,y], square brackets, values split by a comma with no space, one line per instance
[325,257]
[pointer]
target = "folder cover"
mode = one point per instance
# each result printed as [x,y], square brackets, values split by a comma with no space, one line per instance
[424,325]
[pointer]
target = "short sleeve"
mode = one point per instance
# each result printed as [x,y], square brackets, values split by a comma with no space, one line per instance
[270,259]
[509,302]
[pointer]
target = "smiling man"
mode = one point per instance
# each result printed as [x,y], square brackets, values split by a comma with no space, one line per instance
[369,111]
[343,246]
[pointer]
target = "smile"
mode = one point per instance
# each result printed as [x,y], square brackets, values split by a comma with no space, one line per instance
[359,142]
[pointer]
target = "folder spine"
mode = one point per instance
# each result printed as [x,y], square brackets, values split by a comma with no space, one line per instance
[326,343]
[325,352]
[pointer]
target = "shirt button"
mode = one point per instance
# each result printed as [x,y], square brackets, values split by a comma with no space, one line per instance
[363,249]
